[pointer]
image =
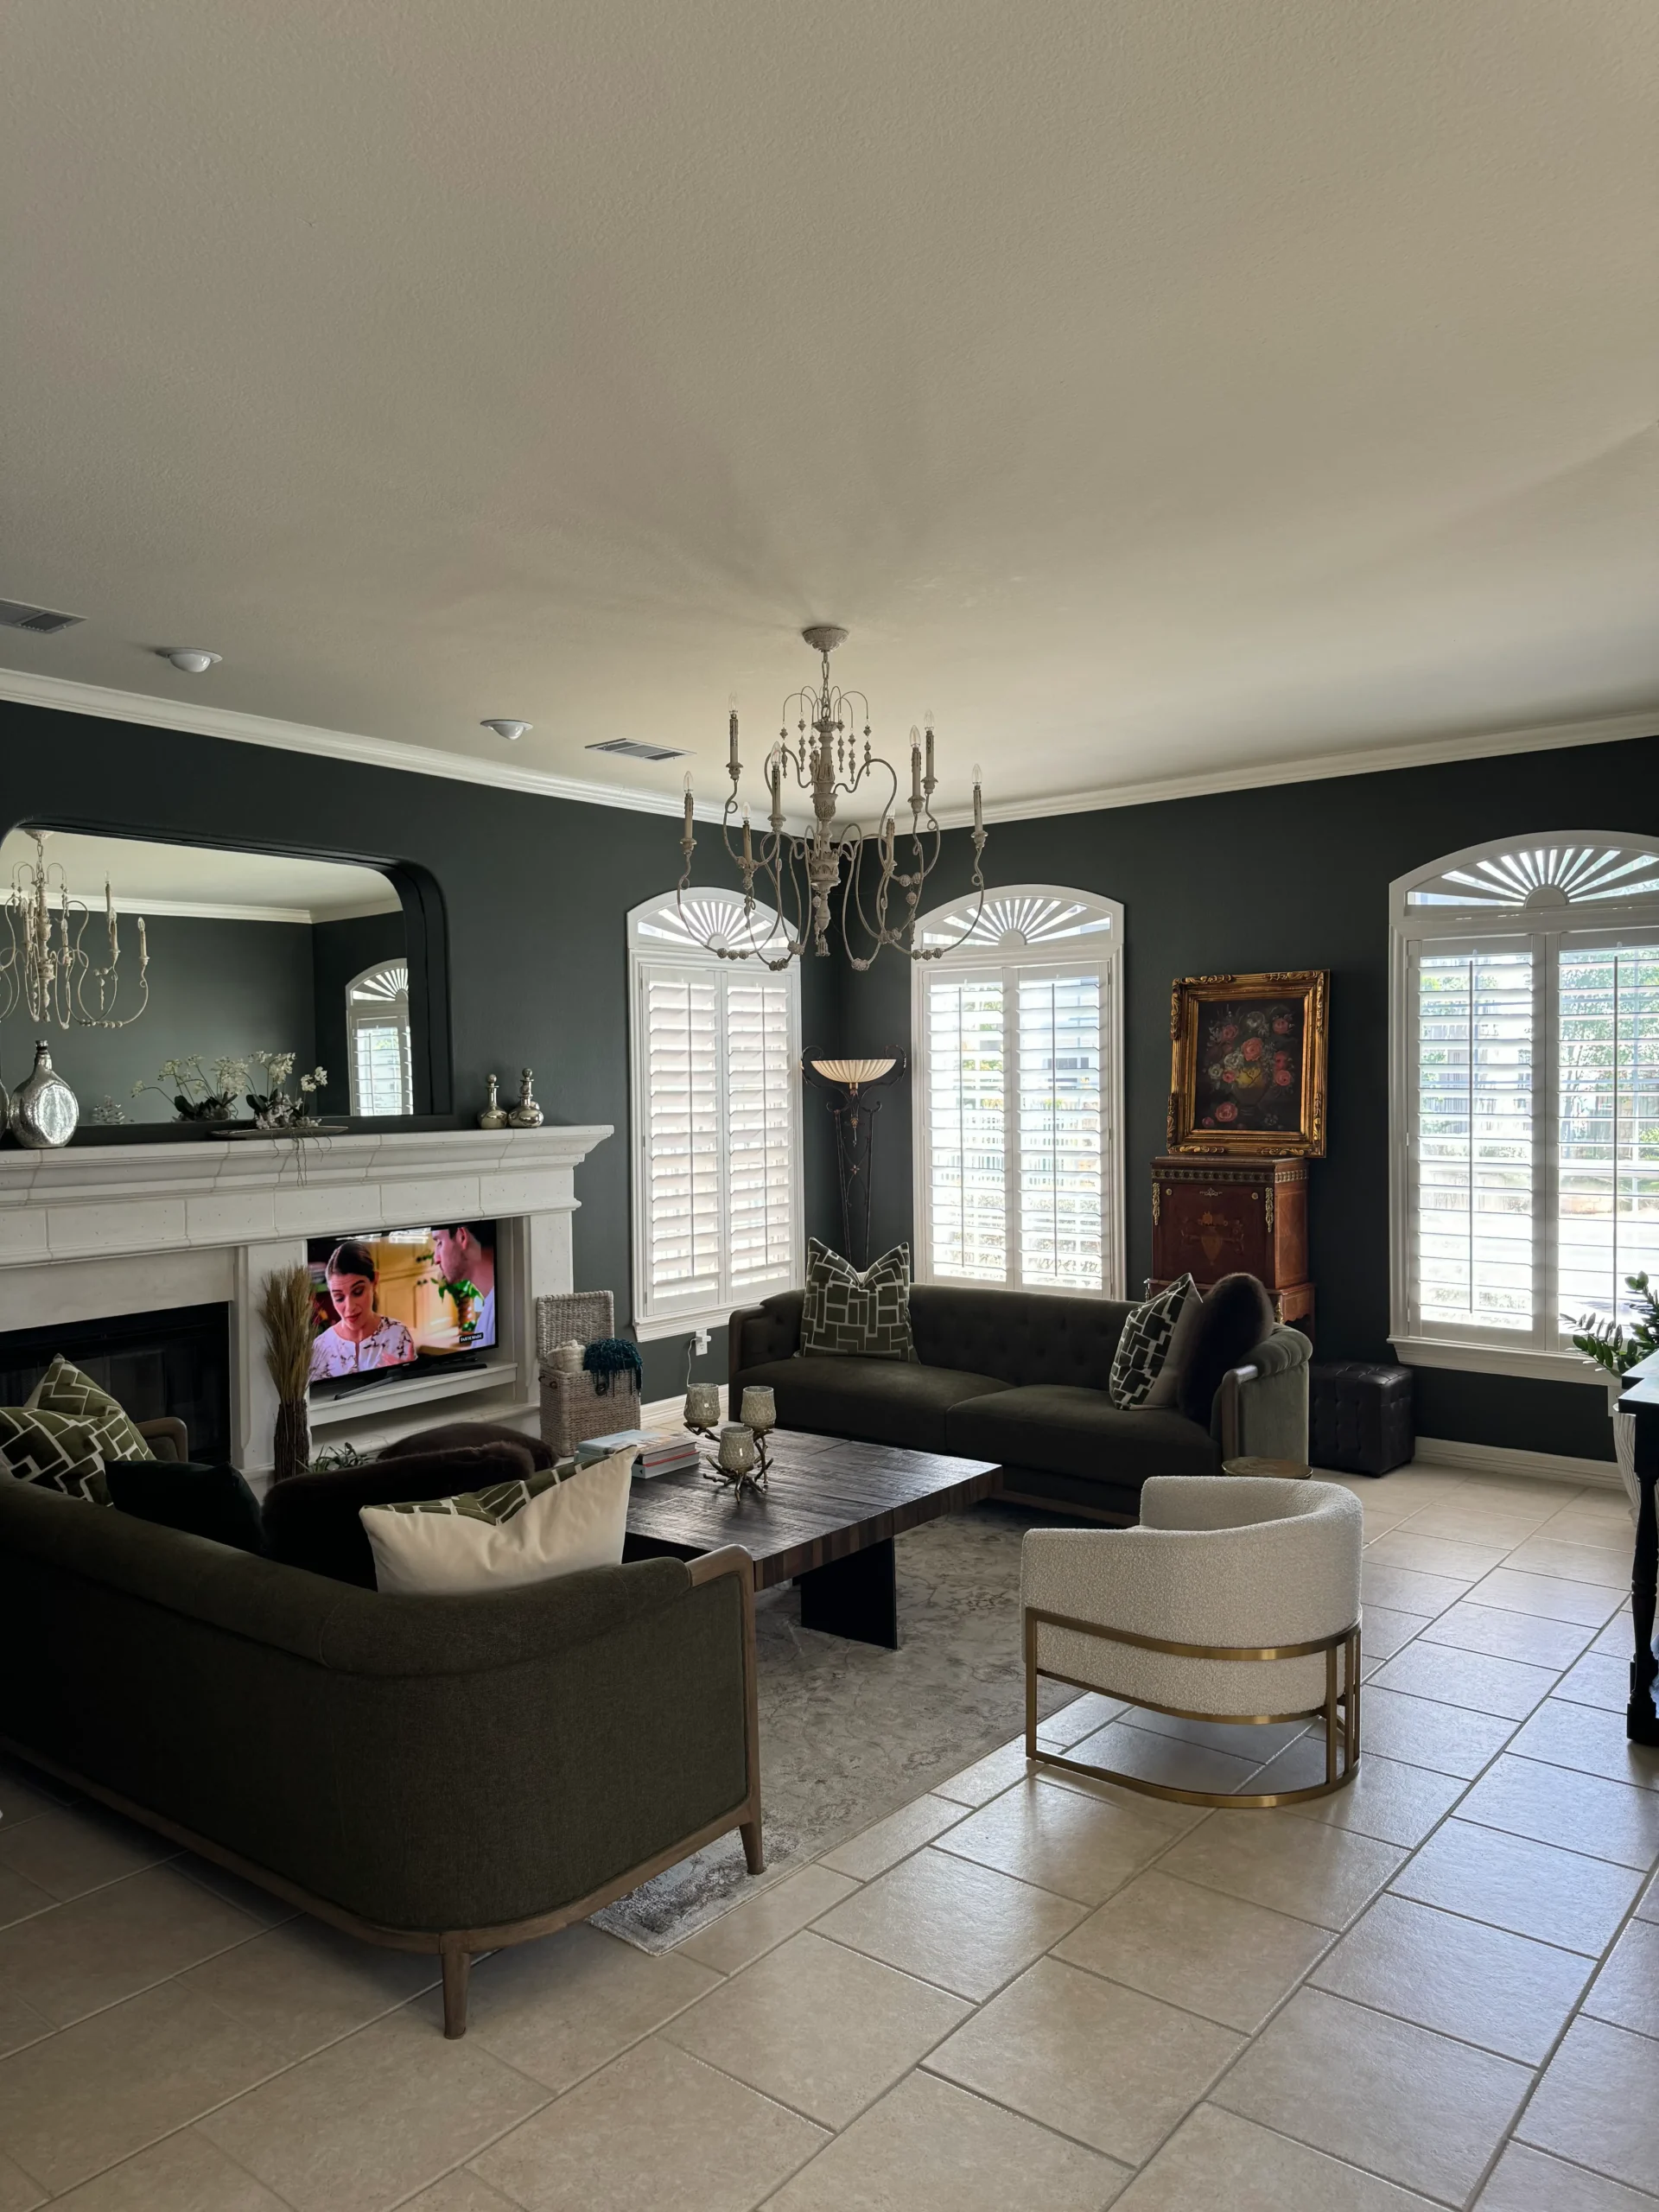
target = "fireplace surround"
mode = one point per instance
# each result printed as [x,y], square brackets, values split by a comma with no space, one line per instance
[104,1233]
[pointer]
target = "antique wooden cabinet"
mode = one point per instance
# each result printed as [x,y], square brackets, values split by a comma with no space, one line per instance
[1214,1215]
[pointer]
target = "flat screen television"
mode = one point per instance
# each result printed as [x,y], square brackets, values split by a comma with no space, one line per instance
[391,1303]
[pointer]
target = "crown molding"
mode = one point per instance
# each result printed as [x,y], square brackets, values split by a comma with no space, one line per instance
[65,696]
[1376,760]
[208,909]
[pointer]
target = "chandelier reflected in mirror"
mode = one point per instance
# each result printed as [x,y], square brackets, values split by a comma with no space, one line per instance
[46,969]
[800,875]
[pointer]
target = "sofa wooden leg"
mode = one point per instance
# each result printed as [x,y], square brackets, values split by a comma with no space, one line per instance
[457,1972]
[750,1831]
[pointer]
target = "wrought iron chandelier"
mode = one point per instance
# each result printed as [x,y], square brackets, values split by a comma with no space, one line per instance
[800,875]
[45,969]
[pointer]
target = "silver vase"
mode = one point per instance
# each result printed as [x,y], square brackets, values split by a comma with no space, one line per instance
[44,1113]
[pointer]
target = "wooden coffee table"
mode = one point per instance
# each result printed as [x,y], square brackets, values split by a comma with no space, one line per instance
[827,1521]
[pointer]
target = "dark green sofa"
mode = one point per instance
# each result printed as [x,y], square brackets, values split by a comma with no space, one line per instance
[442,1774]
[1019,1378]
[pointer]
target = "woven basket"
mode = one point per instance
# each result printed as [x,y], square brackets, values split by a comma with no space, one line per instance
[587,1315]
[572,1410]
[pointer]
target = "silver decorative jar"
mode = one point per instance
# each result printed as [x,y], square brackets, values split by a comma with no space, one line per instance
[495,1116]
[527,1115]
[45,1111]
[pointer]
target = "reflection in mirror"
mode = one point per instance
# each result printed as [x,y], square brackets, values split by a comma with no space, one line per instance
[248,954]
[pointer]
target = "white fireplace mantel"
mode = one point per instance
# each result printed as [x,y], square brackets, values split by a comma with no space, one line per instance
[103,1229]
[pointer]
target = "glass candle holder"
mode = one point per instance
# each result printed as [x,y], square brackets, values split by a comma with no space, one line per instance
[702,1405]
[737,1453]
[759,1409]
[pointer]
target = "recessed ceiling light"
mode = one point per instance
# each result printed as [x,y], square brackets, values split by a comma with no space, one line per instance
[191,658]
[503,728]
[634,748]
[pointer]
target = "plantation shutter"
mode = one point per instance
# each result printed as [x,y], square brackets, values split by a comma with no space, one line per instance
[1060,1158]
[1608,1133]
[760,1080]
[967,1122]
[1474,1115]
[681,1016]
[382,1084]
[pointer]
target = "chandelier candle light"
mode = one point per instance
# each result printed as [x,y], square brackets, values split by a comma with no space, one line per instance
[822,757]
[45,969]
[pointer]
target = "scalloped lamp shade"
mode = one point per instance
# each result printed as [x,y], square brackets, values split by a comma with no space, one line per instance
[852,1071]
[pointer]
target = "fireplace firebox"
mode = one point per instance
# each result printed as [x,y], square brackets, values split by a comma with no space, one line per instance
[175,1362]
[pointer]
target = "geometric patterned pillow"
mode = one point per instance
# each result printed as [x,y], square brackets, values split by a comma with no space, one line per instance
[53,1450]
[65,1389]
[496,1504]
[1144,1346]
[866,1314]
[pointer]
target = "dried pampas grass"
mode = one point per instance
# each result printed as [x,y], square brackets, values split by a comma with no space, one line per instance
[285,1309]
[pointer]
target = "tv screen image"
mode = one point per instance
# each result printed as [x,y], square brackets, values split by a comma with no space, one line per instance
[389,1301]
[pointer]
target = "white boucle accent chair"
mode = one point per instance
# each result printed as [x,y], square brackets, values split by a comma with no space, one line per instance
[1236,1599]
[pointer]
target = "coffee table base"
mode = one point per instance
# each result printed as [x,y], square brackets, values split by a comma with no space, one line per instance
[856,1597]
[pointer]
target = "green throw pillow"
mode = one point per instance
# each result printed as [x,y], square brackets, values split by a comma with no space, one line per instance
[65,1389]
[54,1451]
[867,1314]
[496,1504]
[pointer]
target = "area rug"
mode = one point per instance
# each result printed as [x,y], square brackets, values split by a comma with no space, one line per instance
[849,1732]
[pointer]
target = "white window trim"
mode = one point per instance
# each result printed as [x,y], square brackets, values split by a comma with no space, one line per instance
[648,952]
[1104,954]
[1543,926]
[373,1013]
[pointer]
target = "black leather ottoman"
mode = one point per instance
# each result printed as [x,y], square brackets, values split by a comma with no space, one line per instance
[1359,1419]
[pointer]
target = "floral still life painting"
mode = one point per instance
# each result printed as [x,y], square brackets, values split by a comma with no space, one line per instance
[1248,1064]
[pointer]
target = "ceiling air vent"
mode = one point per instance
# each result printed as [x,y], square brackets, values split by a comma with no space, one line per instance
[630,748]
[14,615]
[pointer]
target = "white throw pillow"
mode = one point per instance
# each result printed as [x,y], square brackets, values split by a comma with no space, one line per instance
[499,1539]
[1168,1381]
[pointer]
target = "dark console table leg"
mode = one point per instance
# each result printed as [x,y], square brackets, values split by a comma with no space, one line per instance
[1642,1400]
[856,1597]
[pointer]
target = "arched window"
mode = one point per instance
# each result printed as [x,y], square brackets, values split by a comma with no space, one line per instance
[715,1049]
[1525,1048]
[1017,1094]
[376,1039]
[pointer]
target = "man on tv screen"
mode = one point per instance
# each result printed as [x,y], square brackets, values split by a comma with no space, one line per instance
[461,1258]
[360,1339]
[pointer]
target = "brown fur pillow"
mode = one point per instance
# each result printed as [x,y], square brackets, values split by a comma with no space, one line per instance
[310,1520]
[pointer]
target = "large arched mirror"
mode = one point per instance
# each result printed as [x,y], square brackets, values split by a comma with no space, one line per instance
[217,958]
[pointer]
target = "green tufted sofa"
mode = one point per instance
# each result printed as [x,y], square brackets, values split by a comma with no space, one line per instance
[1019,1376]
[442,1774]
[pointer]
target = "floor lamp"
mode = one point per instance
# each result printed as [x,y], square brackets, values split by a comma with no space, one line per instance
[848,1084]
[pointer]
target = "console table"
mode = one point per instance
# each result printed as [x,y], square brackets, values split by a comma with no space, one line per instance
[1641,1398]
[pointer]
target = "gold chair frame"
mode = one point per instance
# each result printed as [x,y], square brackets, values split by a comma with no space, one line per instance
[1340,1710]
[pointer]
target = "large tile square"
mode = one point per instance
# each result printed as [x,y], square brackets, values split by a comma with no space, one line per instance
[1402,1590]
[1179,1763]
[1506,1688]
[363,2124]
[68,1851]
[1079,1719]
[1312,1872]
[769,1917]
[1597,1679]
[305,1985]
[109,1943]
[1589,1738]
[950,1920]
[1529,2181]
[1580,1812]
[1424,1553]
[1215,2162]
[977,1784]
[1585,1605]
[1387,1799]
[1218,1956]
[1099,2062]
[1573,1561]
[1626,1990]
[95,2092]
[889,1841]
[17,2192]
[1078,1845]
[1255,1745]
[1506,1992]
[19,2023]
[1598,2103]
[822,2029]
[1447,1737]
[461,2191]
[1530,1637]
[1532,1889]
[655,2127]
[928,2147]
[1393,2098]
[25,1792]
[1386,1633]
[19,1899]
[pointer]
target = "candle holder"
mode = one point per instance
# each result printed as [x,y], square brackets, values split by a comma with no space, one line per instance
[702,1414]
[740,1463]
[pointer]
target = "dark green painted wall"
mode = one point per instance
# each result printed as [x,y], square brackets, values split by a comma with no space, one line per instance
[216,989]
[1296,876]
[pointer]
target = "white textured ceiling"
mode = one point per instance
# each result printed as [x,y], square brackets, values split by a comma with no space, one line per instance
[1155,387]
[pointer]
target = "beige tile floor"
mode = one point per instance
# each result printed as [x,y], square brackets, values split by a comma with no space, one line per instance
[1441,1987]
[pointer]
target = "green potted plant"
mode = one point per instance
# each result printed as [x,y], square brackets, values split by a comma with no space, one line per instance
[1615,1346]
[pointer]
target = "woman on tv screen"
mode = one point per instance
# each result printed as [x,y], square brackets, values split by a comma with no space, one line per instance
[360,1339]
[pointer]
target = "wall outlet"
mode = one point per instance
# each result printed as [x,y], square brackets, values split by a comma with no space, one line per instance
[701,1342]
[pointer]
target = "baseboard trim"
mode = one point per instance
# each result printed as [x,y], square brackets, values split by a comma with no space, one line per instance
[1531,1467]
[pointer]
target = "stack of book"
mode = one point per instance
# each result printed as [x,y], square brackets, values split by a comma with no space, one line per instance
[654,1454]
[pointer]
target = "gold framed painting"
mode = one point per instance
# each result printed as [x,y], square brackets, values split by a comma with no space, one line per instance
[1248,1071]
